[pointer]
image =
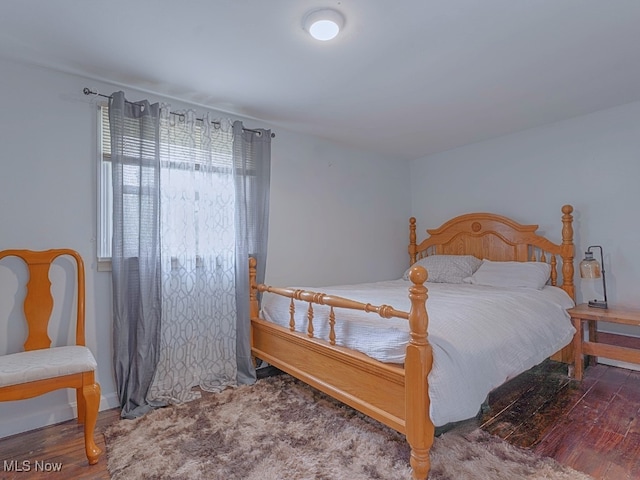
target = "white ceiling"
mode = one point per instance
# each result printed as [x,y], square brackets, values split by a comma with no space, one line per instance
[405,78]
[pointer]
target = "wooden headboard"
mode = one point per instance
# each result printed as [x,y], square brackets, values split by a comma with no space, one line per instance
[494,237]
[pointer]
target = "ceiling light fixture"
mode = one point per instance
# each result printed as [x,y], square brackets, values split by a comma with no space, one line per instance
[323,24]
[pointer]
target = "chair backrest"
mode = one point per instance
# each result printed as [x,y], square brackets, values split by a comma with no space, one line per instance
[38,301]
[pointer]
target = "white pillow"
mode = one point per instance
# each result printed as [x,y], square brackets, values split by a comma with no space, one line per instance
[447,268]
[511,274]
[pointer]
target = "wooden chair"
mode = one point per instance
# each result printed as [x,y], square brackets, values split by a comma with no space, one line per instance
[41,368]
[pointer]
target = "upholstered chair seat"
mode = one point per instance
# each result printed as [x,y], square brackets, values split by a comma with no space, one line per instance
[34,365]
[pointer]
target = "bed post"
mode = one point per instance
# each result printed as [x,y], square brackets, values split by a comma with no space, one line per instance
[418,361]
[566,354]
[254,308]
[412,240]
[567,251]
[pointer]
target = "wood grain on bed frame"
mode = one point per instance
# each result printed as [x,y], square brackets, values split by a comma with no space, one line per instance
[393,394]
[494,237]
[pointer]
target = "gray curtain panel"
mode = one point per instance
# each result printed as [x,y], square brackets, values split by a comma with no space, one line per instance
[252,172]
[136,249]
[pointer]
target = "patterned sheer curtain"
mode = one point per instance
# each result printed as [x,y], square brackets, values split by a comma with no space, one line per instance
[187,324]
[198,345]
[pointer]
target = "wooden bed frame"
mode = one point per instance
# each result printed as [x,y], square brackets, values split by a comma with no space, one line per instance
[397,395]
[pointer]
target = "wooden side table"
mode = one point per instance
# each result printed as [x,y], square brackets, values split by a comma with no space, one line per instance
[583,313]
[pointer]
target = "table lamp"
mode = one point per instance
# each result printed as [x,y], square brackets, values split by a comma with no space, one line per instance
[591,268]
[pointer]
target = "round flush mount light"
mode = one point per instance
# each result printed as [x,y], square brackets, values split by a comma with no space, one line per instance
[323,24]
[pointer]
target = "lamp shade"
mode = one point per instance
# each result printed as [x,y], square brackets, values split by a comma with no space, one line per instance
[590,267]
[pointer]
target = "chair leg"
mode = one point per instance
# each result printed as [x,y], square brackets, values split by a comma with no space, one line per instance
[91,402]
[82,407]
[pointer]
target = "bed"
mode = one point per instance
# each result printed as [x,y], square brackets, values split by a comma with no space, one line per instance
[308,335]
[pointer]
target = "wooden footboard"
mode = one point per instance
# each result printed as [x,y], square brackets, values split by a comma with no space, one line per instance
[395,396]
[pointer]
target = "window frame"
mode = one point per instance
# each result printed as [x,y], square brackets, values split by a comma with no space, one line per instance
[105,194]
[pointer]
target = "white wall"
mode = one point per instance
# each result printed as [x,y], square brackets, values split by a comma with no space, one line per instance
[48,199]
[333,220]
[591,162]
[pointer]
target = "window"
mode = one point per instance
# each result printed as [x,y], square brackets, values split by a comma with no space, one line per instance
[179,154]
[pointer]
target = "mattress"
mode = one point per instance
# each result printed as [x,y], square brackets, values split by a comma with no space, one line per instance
[481,336]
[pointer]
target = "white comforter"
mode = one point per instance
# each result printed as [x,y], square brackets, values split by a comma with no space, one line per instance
[481,336]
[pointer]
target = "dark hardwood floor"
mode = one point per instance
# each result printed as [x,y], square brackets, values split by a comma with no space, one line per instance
[592,426]
[58,444]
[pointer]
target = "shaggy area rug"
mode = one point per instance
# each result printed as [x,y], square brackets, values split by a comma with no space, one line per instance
[281,429]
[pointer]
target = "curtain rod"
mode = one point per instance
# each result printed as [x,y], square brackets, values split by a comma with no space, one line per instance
[88,91]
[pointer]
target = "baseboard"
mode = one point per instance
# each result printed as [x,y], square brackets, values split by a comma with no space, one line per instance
[107,402]
[44,417]
[616,363]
